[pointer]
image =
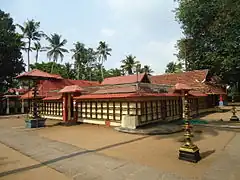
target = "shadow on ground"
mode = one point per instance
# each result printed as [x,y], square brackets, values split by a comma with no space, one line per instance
[207,153]
[198,134]
[49,162]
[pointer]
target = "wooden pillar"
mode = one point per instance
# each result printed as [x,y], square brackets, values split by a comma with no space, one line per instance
[15,106]
[69,107]
[183,105]
[75,110]
[65,113]
[22,107]
[8,106]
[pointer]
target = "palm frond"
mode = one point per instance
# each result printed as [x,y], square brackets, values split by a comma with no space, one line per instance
[63,50]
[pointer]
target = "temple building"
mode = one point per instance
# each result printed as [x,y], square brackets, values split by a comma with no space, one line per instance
[127,101]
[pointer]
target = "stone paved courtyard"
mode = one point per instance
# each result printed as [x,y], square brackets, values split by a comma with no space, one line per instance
[97,152]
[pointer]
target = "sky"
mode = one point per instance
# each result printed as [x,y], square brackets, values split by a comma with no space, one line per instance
[146,29]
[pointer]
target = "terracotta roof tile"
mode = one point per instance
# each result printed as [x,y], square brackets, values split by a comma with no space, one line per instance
[48,88]
[112,90]
[36,74]
[195,79]
[58,97]
[71,89]
[84,83]
[123,79]
[180,86]
[190,78]
[126,95]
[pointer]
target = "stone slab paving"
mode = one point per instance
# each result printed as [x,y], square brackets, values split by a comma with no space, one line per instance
[228,165]
[74,162]
[84,164]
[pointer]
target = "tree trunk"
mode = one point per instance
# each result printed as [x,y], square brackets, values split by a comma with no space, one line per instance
[78,71]
[29,46]
[37,56]
[90,74]
[102,69]
[52,67]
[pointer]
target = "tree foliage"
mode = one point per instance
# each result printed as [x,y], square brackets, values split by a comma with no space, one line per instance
[129,64]
[55,49]
[88,62]
[11,62]
[212,35]
[103,52]
[30,31]
[65,70]
[173,67]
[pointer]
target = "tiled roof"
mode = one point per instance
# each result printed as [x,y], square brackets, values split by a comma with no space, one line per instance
[71,89]
[126,95]
[213,89]
[36,74]
[195,79]
[48,88]
[58,97]
[190,78]
[180,86]
[124,79]
[84,83]
[114,90]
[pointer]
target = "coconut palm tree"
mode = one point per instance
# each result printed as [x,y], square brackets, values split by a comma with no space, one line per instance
[147,70]
[79,56]
[38,48]
[69,70]
[55,49]
[30,31]
[103,52]
[173,67]
[129,63]
[91,60]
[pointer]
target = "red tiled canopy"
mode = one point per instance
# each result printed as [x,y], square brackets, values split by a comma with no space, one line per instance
[37,74]
[126,95]
[195,79]
[71,89]
[52,98]
[124,79]
[190,78]
[48,88]
[184,87]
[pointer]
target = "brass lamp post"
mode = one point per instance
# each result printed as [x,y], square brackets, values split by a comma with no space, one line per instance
[188,151]
[234,116]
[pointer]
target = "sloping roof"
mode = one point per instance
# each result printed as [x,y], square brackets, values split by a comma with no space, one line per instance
[83,83]
[125,95]
[114,90]
[190,78]
[48,88]
[124,79]
[71,89]
[58,97]
[195,79]
[35,73]
[180,86]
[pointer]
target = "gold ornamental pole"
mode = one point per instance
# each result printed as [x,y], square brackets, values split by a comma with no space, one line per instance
[188,151]
[234,116]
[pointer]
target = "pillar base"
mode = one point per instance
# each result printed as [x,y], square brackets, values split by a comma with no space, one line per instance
[234,118]
[189,153]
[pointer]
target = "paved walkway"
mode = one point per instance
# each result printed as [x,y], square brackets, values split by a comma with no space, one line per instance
[84,164]
[11,159]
